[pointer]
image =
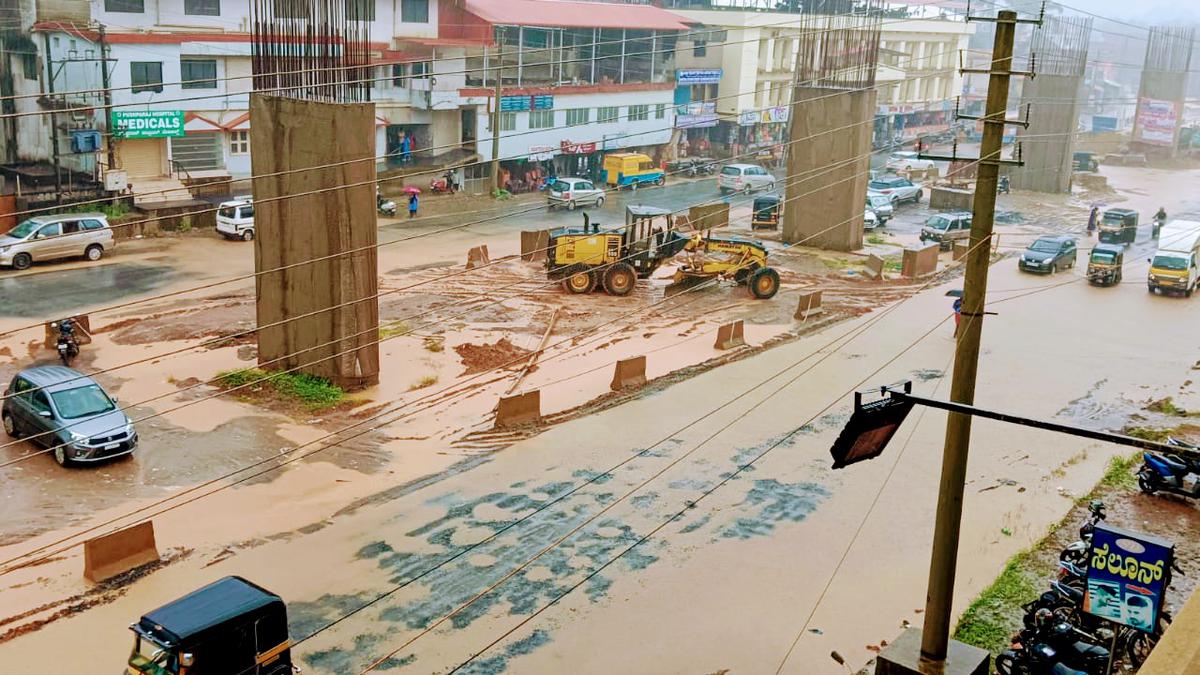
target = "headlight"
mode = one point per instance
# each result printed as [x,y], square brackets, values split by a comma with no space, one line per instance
[1153,278]
[78,438]
[4,249]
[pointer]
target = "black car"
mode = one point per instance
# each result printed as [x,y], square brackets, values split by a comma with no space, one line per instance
[1049,255]
[66,412]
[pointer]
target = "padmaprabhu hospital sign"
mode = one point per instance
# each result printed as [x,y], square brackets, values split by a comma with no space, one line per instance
[147,123]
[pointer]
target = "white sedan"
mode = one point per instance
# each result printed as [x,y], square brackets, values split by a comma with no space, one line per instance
[907,161]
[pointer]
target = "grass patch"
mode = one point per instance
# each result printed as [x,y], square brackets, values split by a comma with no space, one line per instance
[836,264]
[392,330]
[434,344]
[1148,433]
[111,210]
[1167,406]
[893,264]
[312,392]
[1119,475]
[877,238]
[427,381]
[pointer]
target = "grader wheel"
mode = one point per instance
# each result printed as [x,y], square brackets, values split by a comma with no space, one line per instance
[620,279]
[764,283]
[580,282]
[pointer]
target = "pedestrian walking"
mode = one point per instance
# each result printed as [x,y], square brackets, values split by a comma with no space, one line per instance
[1093,219]
[412,205]
[957,314]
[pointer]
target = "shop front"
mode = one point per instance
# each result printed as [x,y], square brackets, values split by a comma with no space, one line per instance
[407,143]
[760,136]
[141,140]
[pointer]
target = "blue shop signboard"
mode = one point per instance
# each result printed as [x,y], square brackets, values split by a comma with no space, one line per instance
[704,76]
[519,103]
[1128,577]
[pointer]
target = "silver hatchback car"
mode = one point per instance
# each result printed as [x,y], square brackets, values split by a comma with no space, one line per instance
[58,236]
[573,192]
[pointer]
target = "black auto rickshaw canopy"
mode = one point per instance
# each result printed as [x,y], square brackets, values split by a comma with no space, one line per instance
[765,210]
[1118,226]
[209,611]
[1107,254]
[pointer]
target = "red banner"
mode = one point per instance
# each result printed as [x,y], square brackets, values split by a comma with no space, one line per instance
[569,148]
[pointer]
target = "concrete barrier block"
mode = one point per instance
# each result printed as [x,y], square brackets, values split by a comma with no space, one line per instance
[111,554]
[919,262]
[519,409]
[478,257]
[875,266]
[709,216]
[534,244]
[629,373]
[730,335]
[83,332]
[810,305]
[960,249]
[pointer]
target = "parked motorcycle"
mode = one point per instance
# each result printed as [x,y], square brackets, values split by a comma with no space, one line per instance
[66,344]
[1168,473]
[1037,659]
[384,206]
[443,185]
[1077,552]
[1074,648]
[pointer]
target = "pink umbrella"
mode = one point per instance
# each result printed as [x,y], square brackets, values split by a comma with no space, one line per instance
[412,190]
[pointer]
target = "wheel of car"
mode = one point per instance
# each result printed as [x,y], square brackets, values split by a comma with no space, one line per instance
[571,206]
[1189,291]
[1053,268]
[746,189]
[94,252]
[764,283]
[580,283]
[22,261]
[60,455]
[918,197]
[660,181]
[620,279]
[10,426]
[599,201]
[771,186]
[1150,288]
[247,235]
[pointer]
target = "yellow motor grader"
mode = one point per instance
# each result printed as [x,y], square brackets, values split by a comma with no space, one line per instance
[614,259]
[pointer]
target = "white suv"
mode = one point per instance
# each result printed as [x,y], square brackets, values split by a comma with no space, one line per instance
[744,178]
[572,192]
[235,219]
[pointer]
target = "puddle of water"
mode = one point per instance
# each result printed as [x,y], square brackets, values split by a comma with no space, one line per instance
[66,291]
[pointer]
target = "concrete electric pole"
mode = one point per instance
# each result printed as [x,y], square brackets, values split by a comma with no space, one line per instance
[942,567]
[495,118]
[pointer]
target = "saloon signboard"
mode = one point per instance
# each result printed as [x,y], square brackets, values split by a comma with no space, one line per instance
[1127,577]
[147,123]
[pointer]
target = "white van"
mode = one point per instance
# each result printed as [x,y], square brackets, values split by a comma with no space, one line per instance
[235,219]
[1174,265]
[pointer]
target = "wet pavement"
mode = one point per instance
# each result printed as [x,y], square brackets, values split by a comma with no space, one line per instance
[56,292]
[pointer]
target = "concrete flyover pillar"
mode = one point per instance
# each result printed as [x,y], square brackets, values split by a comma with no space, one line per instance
[322,231]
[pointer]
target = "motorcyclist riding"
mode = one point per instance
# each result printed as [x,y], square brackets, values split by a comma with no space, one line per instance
[66,344]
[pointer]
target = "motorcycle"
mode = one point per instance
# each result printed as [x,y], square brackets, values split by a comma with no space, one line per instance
[385,207]
[66,344]
[1002,187]
[1036,659]
[1077,552]
[442,185]
[1073,647]
[1167,473]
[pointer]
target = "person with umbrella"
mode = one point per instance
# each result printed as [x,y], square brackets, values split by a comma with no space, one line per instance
[412,200]
[1093,220]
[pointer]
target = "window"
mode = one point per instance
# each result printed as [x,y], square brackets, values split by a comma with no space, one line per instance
[360,10]
[508,121]
[699,48]
[29,64]
[197,74]
[399,75]
[130,6]
[146,76]
[49,231]
[577,116]
[246,211]
[421,68]
[660,111]
[40,401]
[541,119]
[239,142]
[291,9]
[202,7]
[607,114]
[93,225]
[639,113]
[70,227]
[414,11]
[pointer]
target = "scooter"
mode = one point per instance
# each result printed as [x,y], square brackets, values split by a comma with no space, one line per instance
[67,345]
[1166,473]
[441,185]
[385,207]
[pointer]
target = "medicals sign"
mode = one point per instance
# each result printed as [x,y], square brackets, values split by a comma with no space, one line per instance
[1128,576]
[1156,121]
[147,123]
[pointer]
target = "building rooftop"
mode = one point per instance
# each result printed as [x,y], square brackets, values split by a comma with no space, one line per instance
[565,14]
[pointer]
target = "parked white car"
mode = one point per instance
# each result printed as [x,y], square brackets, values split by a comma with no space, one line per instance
[744,178]
[235,219]
[573,192]
[870,220]
[897,189]
[907,161]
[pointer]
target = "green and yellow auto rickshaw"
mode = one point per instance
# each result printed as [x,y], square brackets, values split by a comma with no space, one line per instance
[1118,226]
[1104,264]
[766,213]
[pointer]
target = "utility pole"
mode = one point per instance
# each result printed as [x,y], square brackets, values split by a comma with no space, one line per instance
[53,120]
[495,117]
[104,82]
[942,567]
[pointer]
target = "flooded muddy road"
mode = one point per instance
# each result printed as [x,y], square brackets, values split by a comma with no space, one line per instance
[701,514]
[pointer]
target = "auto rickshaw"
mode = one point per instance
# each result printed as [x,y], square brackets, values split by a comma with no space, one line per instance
[766,211]
[1104,264]
[1118,226]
